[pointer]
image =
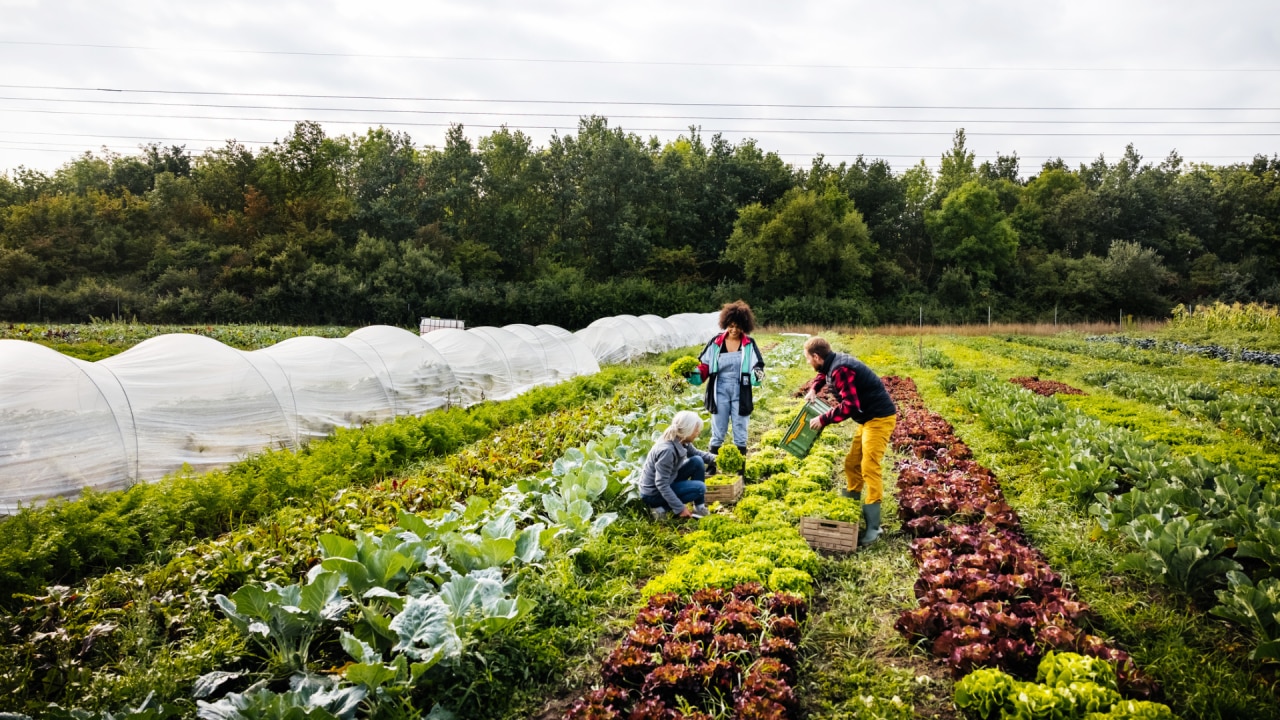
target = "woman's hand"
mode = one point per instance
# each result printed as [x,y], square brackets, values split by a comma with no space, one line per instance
[686,513]
[816,423]
[811,395]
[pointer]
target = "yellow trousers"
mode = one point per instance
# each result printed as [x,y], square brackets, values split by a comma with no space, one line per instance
[862,464]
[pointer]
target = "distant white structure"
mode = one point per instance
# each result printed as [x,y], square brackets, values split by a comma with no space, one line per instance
[67,424]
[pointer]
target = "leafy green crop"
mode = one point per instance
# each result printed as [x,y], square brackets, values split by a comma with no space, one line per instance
[981,694]
[1183,556]
[1256,607]
[284,621]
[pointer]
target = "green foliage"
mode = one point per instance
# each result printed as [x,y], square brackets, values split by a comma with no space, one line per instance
[730,459]
[935,358]
[1176,553]
[981,694]
[973,232]
[809,243]
[65,540]
[1255,607]
[683,366]
[1135,710]
[309,697]
[284,621]
[1250,317]
[1067,686]
[1061,669]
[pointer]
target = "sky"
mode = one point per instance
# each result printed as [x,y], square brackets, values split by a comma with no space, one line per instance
[891,80]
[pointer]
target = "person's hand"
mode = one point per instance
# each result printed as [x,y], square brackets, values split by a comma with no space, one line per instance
[711,468]
[811,395]
[686,513]
[816,423]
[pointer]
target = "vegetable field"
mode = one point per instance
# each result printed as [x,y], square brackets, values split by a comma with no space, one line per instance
[1074,529]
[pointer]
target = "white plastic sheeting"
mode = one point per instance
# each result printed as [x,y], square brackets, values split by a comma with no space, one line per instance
[66,424]
[331,385]
[416,374]
[198,402]
[622,338]
[563,353]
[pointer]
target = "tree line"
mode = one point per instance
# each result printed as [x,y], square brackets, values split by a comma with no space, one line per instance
[370,228]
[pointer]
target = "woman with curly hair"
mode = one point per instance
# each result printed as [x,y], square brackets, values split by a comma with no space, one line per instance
[731,365]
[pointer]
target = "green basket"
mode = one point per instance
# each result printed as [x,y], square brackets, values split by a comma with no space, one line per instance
[800,437]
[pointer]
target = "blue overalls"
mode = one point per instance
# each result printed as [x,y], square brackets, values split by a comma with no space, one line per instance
[728,388]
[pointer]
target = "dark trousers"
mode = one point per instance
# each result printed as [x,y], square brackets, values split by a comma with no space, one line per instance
[689,485]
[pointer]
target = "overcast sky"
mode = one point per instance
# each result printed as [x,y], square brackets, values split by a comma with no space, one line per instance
[890,80]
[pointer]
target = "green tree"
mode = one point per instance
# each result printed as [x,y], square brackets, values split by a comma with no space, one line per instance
[808,243]
[973,233]
[955,170]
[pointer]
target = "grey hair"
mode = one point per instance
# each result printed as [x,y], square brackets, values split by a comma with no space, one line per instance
[685,426]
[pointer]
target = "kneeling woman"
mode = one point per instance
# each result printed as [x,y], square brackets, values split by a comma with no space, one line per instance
[675,472]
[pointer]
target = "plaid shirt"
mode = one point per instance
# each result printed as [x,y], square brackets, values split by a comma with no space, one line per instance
[843,388]
[860,394]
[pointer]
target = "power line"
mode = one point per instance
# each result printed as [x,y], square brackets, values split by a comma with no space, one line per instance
[405,111]
[748,131]
[631,102]
[872,156]
[658,63]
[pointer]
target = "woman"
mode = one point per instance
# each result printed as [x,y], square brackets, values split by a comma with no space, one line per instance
[675,472]
[731,365]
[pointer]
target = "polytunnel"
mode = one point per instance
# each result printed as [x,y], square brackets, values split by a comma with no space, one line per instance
[666,336]
[196,401]
[415,373]
[565,355]
[482,373]
[606,344]
[66,426]
[619,338]
[554,330]
[332,386]
[691,328]
[528,364]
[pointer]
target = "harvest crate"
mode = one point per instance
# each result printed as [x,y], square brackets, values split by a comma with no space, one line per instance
[823,534]
[800,437]
[727,494]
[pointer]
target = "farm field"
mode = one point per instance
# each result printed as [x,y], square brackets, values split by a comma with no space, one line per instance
[511,575]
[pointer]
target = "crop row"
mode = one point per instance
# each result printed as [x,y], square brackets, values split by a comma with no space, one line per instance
[1098,351]
[721,654]
[1216,352]
[66,541]
[1197,526]
[987,598]
[1256,416]
[131,632]
[723,651]
[421,594]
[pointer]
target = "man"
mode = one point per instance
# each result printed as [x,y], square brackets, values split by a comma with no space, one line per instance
[863,399]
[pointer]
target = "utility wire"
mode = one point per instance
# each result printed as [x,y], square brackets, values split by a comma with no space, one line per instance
[628,102]
[749,131]
[489,113]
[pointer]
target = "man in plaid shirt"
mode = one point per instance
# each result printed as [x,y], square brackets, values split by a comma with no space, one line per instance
[863,399]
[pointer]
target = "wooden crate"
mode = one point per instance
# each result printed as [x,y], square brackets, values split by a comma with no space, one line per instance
[727,494]
[824,534]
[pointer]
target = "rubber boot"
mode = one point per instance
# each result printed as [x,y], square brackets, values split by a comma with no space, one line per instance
[851,494]
[870,513]
[743,472]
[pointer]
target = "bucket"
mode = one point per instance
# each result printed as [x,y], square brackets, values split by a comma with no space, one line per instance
[799,437]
